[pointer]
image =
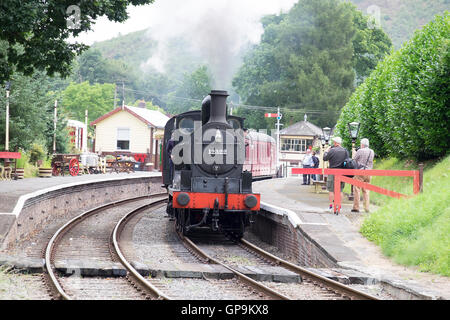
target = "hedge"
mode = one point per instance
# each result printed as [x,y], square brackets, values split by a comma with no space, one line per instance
[403,105]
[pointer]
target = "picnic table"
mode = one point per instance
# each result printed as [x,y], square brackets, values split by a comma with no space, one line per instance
[6,169]
[120,164]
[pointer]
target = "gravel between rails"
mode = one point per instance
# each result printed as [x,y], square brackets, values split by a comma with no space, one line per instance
[18,286]
[89,241]
[156,244]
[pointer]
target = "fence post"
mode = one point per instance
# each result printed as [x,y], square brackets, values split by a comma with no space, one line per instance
[421,177]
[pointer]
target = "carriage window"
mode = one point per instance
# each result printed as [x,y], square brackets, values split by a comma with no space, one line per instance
[123,138]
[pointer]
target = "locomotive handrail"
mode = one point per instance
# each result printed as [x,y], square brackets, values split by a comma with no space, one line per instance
[340,175]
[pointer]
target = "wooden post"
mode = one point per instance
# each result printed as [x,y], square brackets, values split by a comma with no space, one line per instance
[421,177]
[7,121]
[54,126]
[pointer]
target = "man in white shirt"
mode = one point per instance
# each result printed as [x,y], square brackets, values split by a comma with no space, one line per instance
[307,163]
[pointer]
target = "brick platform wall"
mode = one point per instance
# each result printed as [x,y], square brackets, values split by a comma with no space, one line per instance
[37,212]
[277,230]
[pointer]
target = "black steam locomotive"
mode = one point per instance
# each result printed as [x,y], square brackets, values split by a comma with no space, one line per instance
[203,158]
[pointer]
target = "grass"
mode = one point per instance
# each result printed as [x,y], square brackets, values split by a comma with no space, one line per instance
[414,231]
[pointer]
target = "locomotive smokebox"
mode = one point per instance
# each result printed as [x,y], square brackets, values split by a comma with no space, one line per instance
[215,110]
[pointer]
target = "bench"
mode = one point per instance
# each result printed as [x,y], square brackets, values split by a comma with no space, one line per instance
[6,170]
[318,185]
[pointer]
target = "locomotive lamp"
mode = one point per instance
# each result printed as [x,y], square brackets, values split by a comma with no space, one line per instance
[326,134]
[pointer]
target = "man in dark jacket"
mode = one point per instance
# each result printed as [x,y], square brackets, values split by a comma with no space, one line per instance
[335,155]
[316,165]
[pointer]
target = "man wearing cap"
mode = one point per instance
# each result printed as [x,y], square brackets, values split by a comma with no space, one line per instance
[335,155]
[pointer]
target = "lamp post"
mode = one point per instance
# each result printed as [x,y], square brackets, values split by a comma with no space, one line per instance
[353,128]
[322,141]
[325,138]
[326,134]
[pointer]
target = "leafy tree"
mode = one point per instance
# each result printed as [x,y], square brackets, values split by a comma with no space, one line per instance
[194,88]
[37,32]
[403,105]
[308,59]
[98,99]
[31,114]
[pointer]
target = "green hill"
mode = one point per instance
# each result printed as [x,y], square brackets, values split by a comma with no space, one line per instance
[133,48]
[400,18]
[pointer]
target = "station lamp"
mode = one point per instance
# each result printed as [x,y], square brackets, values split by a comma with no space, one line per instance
[326,134]
[322,140]
[353,128]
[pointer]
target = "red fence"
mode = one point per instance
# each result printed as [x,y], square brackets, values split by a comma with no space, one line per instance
[339,177]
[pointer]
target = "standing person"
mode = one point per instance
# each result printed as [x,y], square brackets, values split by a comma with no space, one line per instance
[307,163]
[364,158]
[316,164]
[169,148]
[335,155]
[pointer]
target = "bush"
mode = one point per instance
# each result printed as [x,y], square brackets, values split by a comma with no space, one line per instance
[37,152]
[403,105]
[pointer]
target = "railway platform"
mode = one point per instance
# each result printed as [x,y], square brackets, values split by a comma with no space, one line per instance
[26,204]
[338,235]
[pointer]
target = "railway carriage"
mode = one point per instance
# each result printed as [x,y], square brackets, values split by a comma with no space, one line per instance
[209,163]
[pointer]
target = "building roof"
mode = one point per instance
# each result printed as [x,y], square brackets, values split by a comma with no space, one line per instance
[151,117]
[75,123]
[302,128]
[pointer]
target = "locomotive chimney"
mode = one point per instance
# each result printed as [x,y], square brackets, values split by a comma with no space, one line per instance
[218,106]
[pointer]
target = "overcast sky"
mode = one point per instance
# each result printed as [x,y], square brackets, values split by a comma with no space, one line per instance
[171,16]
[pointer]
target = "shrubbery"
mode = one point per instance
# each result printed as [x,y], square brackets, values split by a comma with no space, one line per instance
[403,106]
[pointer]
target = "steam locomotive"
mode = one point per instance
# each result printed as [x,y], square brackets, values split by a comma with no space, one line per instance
[209,163]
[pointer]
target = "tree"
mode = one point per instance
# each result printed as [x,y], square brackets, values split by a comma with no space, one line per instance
[307,60]
[403,104]
[31,114]
[98,99]
[194,88]
[370,46]
[36,32]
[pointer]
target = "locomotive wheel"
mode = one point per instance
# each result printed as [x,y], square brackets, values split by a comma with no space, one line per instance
[74,167]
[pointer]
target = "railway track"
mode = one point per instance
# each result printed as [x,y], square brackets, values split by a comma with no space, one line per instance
[89,237]
[95,235]
[326,288]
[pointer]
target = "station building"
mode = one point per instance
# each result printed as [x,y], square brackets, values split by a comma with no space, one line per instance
[131,131]
[295,140]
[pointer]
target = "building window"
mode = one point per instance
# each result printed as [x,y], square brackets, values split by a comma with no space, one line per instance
[295,145]
[123,138]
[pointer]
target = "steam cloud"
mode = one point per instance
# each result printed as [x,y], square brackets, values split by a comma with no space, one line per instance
[216,31]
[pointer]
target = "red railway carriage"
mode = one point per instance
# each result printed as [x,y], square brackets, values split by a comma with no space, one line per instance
[260,155]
